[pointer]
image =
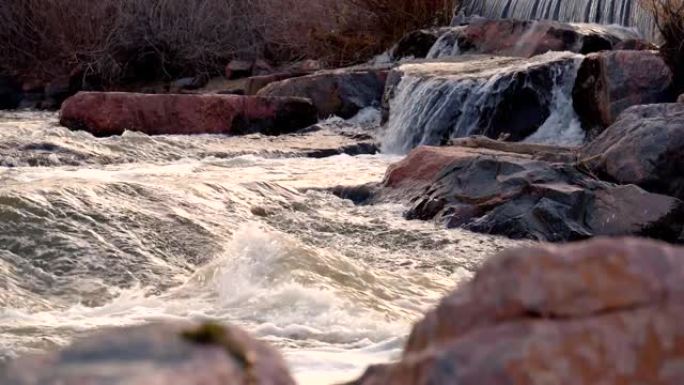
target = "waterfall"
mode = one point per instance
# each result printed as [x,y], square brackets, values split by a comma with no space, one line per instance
[623,12]
[511,97]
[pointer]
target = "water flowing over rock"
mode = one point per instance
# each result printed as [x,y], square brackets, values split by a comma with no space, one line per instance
[527,38]
[628,13]
[431,102]
[342,92]
[606,311]
[524,196]
[171,354]
[105,113]
[609,82]
[645,147]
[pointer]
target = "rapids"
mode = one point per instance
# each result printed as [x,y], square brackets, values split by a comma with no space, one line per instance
[98,233]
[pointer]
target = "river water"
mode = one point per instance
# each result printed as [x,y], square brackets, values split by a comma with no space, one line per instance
[98,233]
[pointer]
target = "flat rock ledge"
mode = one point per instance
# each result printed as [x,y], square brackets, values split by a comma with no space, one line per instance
[606,311]
[112,113]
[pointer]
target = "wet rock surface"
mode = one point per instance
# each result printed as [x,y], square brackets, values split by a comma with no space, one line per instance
[432,101]
[162,354]
[112,113]
[612,81]
[644,147]
[605,311]
[523,196]
[342,92]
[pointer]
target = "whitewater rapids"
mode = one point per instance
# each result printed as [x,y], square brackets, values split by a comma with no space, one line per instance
[98,233]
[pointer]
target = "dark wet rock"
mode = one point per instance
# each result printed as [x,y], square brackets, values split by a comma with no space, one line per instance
[644,147]
[521,196]
[104,114]
[415,44]
[527,38]
[362,148]
[610,82]
[171,354]
[10,93]
[342,92]
[606,311]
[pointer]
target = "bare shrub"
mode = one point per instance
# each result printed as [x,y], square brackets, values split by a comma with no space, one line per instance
[123,40]
[669,18]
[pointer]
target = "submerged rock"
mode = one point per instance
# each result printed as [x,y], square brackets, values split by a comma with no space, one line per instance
[104,114]
[612,81]
[431,102]
[644,147]
[526,38]
[171,354]
[342,92]
[606,311]
[521,196]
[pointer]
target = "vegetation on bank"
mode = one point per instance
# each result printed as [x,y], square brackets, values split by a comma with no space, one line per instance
[113,41]
[669,18]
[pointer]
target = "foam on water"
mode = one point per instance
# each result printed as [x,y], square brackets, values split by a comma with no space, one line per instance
[137,229]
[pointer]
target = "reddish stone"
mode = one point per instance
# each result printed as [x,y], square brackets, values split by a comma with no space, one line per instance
[104,114]
[607,311]
[612,81]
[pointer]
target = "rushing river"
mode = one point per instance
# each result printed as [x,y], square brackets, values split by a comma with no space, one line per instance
[98,233]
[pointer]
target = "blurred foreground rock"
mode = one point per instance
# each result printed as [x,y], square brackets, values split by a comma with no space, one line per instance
[171,354]
[607,311]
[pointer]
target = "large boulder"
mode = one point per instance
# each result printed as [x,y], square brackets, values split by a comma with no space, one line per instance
[104,113]
[610,82]
[432,101]
[644,147]
[171,354]
[526,38]
[524,196]
[342,92]
[607,311]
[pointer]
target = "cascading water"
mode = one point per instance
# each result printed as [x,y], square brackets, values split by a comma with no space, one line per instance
[627,13]
[98,233]
[434,102]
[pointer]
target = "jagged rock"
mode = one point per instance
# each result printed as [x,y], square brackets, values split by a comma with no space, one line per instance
[644,147]
[607,311]
[432,101]
[170,354]
[341,92]
[520,196]
[104,114]
[680,99]
[527,38]
[612,81]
